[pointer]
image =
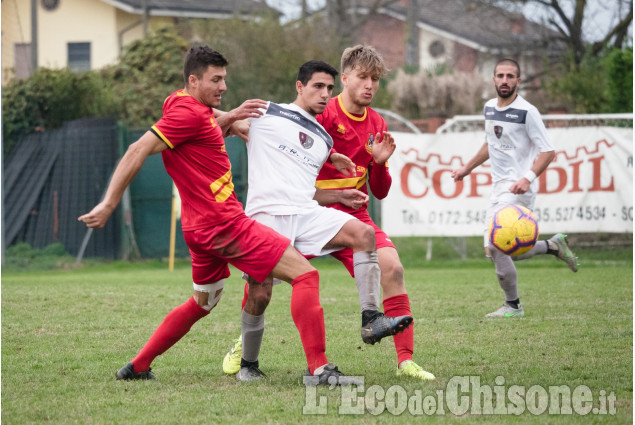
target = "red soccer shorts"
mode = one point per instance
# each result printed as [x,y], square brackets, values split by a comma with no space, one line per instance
[381,239]
[242,242]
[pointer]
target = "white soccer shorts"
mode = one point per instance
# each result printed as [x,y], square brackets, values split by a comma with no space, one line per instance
[309,230]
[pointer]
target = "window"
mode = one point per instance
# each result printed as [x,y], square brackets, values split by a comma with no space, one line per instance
[22,60]
[79,56]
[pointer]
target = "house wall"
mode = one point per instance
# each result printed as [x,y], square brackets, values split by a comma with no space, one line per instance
[429,55]
[74,21]
[385,34]
[16,28]
[93,21]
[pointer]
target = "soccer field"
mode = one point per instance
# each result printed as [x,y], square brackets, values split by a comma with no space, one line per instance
[65,333]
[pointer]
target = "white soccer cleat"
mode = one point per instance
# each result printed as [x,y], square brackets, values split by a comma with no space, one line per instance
[564,252]
[507,311]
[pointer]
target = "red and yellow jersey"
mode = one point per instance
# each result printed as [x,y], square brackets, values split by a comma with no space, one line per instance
[353,135]
[197,161]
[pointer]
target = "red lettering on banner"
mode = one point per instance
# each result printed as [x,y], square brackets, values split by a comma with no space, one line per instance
[576,177]
[597,185]
[405,188]
[562,180]
[558,177]
[436,184]
[474,183]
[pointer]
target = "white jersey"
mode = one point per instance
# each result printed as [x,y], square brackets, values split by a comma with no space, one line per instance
[515,135]
[286,149]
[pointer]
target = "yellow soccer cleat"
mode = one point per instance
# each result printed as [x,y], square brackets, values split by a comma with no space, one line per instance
[413,370]
[231,362]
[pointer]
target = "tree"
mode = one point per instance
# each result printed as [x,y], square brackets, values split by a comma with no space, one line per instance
[346,17]
[569,19]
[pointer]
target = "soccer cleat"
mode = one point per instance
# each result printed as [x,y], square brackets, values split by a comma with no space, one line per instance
[507,311]
[127,373]
[231,362]
[250,373]
[411,369]
[564,252]
[330,376]
[383,326]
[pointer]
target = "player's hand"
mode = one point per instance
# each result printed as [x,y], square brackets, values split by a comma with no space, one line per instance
[353,198]
[384,147]
[97,217]
[240,128]
[520,187]
[252,108]
[343,164]
[459,173]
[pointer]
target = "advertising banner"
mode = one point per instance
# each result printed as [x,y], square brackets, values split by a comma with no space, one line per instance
[587,188]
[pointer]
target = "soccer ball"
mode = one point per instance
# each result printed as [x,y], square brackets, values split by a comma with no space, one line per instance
[513,230]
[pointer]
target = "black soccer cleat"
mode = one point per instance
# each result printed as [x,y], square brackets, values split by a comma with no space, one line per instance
[249,371]
[127,373]
[382,326]
[330,376]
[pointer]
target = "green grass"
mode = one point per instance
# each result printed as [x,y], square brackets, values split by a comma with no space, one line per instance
[65,333]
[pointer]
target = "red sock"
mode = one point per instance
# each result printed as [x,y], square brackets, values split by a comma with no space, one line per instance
[308,316]
[175,325]
[245,294]
[399,305]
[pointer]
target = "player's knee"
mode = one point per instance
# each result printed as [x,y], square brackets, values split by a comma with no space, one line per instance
[392,272]
[259,294]
[364,238]
[208,295]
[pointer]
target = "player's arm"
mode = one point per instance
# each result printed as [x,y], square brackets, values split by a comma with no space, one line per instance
[538,134]
[230,122]
[342,163]
[481,156]
[127,169]
[540,164]
[351,198]
[379,178]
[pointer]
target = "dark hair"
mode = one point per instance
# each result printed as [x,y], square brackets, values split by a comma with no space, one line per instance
[199,59]
[510,62]
[309,68]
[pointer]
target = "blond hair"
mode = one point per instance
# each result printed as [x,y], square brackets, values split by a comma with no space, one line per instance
[365,58]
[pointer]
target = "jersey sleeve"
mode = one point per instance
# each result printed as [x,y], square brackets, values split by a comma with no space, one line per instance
[537,132]
[178,124]
[379,178]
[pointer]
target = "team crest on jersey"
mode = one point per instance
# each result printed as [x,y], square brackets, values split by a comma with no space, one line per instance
[341,128]
[369,143]
[306,140]
[498,131]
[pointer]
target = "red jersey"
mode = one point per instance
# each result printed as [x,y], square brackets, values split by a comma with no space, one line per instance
[353,136]
[197,161]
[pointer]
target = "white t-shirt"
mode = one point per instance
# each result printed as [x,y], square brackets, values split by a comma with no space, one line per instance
[515,135]
[286,149]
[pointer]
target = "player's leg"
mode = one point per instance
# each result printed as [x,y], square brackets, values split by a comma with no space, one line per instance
[231,361]
[556,246]
[253,327]
[208,274]
[308,316]
[397,303]
[360,238]
[507,279]
[326,229]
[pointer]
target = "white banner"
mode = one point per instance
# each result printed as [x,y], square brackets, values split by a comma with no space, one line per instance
[587,188]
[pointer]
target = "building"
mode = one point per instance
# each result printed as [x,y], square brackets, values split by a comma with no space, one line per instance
[464,35]
[89,34]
